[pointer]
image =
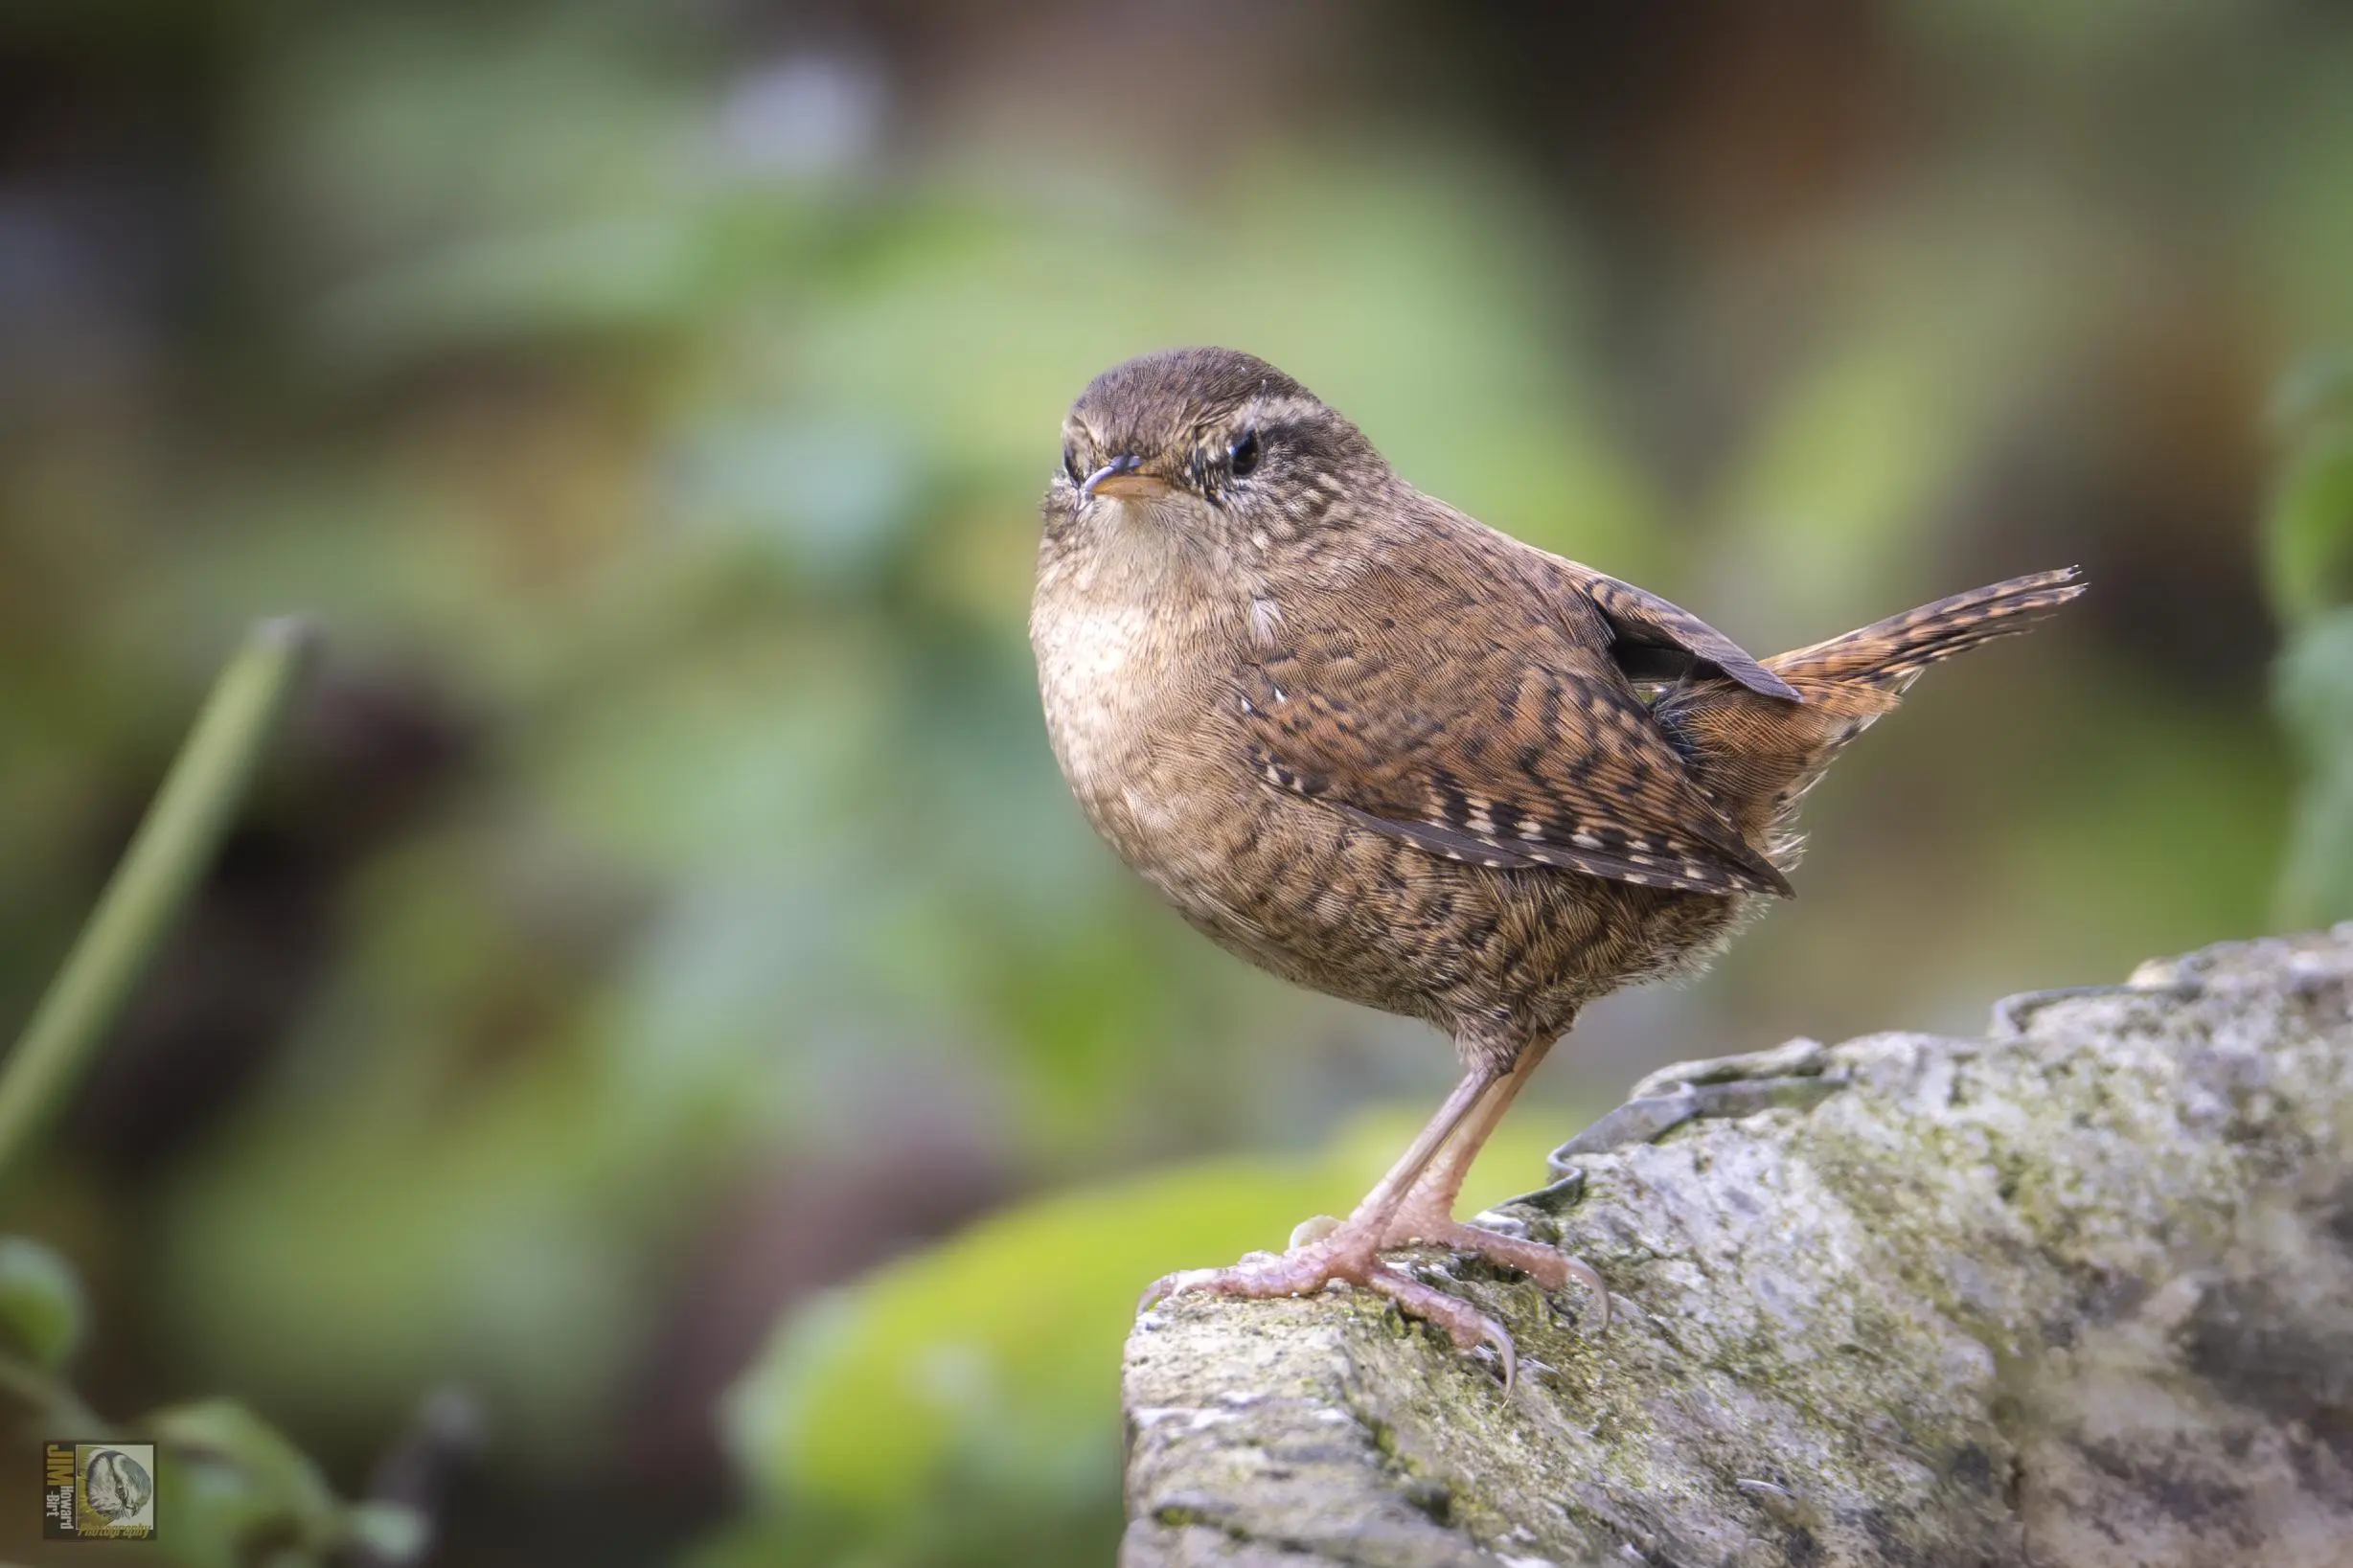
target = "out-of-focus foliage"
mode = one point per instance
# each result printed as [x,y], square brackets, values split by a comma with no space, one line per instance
[42,1312]
[2311,572]
[2309,553]
[236,1491]
[668,909]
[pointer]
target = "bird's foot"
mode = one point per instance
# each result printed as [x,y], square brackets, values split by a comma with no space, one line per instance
[1548,1266]
[1325,1250]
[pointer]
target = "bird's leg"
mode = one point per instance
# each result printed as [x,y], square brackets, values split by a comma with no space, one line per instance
[1350,1250]
[1427,1212]
[1414,1203]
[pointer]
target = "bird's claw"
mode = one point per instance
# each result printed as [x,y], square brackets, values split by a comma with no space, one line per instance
[1464,1323]
[1548,1266]
[1590,1277]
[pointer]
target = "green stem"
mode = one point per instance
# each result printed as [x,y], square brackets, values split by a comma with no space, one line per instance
[49,1401]
[167,858]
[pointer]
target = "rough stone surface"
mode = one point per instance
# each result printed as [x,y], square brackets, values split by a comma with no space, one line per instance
[2078,1293]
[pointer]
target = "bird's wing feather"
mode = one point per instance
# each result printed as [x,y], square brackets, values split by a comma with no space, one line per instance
[1408,706]
[1648,626]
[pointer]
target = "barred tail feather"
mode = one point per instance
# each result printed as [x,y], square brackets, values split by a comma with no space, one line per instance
[1889,653]
[1757,755]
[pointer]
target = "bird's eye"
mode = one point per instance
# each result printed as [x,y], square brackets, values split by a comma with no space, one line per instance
[1070,463]
[1242,458]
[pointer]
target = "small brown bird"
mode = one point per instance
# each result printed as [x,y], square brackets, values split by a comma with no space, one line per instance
[1380,749]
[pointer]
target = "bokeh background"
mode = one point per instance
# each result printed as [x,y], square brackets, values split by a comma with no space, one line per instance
[661,986]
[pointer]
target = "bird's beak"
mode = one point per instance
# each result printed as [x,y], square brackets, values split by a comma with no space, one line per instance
[1121,477]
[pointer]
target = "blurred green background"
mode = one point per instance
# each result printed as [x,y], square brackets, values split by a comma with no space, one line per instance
[661,986]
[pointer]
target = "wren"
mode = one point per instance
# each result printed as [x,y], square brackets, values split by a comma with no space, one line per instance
[1383,751]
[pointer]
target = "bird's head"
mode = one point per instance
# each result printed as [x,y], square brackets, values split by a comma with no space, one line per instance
[1232,460]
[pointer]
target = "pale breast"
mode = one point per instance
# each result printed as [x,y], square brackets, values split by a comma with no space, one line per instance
[1133,674]
[1103,693]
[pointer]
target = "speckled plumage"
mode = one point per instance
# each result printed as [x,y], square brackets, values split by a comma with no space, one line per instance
[1369,743]
[1386,752]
